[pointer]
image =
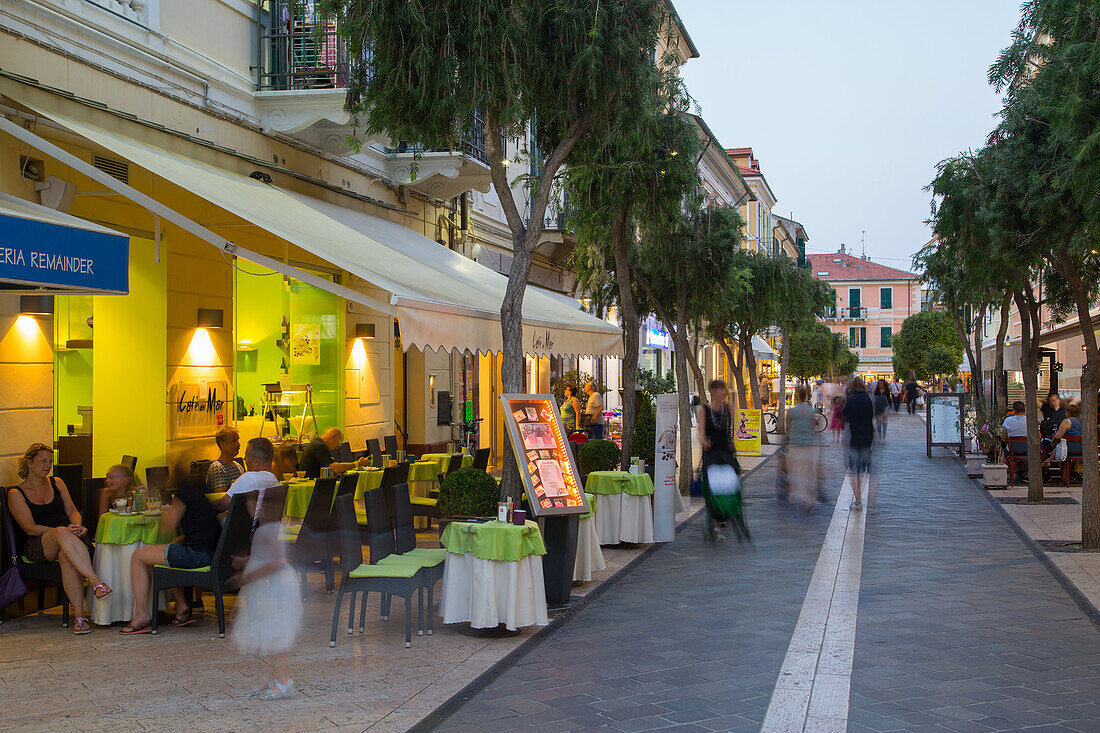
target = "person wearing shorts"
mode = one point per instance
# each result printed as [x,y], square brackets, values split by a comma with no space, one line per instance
[859,414]
[192,514]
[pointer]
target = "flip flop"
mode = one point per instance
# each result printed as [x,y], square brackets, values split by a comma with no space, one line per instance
[135,630]
[179,623]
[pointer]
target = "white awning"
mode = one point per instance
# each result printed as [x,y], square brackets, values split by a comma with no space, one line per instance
[443,300]
[761,349]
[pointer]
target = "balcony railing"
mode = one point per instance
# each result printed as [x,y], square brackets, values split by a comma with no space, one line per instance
[301,50]
[846,313]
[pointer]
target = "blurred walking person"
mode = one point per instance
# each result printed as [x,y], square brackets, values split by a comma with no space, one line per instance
[882,407]
[802,450]
[895,394]
[859,413]
[271,614]
[836,423]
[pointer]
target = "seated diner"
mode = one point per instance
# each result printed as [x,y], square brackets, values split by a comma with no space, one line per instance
[318,455]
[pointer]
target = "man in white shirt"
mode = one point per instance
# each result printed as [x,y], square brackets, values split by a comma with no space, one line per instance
[259,455]
[1015,425]
[594,410]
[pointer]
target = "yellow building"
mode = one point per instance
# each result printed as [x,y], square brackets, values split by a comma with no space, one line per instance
[278,279]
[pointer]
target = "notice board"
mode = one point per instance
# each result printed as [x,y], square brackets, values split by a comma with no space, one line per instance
[550,476]
[943,424]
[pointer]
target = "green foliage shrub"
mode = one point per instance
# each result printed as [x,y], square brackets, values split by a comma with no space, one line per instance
[599,455]
[469,492]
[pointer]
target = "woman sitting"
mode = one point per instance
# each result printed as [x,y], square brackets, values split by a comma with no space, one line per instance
[52,529]
[1070,426]
[120,485]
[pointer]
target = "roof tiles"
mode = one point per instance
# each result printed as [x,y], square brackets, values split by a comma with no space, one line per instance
[853,268]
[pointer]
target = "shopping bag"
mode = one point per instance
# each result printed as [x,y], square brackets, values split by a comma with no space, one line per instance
[723,480]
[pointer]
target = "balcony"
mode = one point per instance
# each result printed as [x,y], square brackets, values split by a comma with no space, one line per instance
[557,240]
[845,313]
[442,174]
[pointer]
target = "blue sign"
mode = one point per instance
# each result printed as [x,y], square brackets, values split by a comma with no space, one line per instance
[655,337]
[47,254]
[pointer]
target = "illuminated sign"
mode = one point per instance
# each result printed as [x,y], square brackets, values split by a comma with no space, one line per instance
[550,477]
[655,337]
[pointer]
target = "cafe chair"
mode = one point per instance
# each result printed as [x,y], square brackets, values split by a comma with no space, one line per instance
[375,452]
[393,579]
[72,474]
[44,572]
[390,441]
[481,459]
[89,506]
[346,484]
[1016,453]
[431,559]
[1074,454]
[343,453]
[311,546]
[235,534]
[200,467]
[130,462]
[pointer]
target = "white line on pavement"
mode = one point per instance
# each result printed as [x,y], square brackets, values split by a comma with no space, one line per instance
[812,691]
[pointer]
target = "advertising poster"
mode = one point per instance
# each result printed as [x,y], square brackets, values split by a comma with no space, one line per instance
[746,432]
[305,346]
[538,439]
[664,469]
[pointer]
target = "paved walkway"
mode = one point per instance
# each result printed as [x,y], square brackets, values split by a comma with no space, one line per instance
[943,620]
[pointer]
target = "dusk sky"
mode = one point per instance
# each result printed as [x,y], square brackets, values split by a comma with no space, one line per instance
[849,106]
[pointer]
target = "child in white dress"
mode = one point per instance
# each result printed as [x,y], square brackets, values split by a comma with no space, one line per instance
[270,611]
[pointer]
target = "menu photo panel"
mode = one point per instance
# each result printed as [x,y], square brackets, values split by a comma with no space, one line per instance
[550,476]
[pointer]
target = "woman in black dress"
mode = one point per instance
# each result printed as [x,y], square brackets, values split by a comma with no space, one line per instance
[713,423]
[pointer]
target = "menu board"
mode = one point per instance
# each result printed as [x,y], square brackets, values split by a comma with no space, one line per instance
[946,421]
[542,453]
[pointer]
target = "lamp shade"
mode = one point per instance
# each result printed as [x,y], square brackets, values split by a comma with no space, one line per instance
[211,318]
[36,305]
[364,331]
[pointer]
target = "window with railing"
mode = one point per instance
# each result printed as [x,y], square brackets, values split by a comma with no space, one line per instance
[300,48]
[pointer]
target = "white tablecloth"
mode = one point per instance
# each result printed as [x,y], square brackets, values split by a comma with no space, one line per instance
[589,555]
[624,518]
[487,592]
[112,564]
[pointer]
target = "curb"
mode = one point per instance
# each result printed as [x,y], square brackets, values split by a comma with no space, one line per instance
[1068,585]
[450,706]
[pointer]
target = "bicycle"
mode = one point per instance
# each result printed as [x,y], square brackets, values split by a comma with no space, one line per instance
[821,422]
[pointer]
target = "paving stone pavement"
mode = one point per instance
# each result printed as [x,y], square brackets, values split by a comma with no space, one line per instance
[960,627]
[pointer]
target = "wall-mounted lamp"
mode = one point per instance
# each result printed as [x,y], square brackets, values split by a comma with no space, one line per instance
[364,331]
[211,318]
[36,305]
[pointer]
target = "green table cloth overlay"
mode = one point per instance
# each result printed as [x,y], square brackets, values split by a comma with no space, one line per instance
[423,471]
[591,505]
[298,493]
[494,540]
[369,479]
[117,529]
[442,460]
[619,482]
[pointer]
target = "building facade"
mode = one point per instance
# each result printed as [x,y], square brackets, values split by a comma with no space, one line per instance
[872,301]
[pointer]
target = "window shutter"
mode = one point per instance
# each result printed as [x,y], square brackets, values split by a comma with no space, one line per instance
[862,338]
[886,298]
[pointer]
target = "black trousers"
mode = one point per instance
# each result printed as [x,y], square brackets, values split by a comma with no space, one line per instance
[897,402]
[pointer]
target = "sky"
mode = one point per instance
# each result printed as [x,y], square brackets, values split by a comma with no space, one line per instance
[849,105]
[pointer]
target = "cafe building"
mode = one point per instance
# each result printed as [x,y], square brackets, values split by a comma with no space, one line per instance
[165,272]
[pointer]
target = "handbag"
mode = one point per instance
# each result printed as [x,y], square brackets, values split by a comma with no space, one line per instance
[1061,451]
[12,588]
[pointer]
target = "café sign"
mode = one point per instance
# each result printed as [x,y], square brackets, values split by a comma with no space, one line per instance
[196,409]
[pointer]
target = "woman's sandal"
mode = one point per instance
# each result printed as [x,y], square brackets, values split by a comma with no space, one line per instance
[278,691]
[131,630]
[180,621]
[102,590]
[81,626]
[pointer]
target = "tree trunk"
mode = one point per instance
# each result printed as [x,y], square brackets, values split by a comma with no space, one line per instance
[1028,354]
[512,361]
[1000,387]
[956,319]
[687,439]
[697,371]
[631,329]
[976,366]
[738,373]
[1090,383]
[785,354]
[754,385]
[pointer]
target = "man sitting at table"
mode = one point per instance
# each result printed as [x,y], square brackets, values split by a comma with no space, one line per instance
[318,455]
[1015,425]
[259,454]
[199,529]
[227,467]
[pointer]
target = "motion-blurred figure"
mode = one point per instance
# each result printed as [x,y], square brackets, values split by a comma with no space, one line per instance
[802,450]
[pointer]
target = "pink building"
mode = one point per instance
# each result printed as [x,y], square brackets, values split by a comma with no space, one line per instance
[872,301]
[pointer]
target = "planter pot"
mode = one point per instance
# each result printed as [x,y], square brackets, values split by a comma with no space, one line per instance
[994,475]
[974,463]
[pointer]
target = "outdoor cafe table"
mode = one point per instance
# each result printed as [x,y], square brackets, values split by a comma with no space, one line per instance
[492,575]
[299,491]
[117,536]
[589,554]
[626,506]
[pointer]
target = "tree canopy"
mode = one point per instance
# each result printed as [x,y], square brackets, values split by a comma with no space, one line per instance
[912,344]
[811,351]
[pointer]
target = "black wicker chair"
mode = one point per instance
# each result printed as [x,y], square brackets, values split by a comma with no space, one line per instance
[392,579]
[390,442]
[375,453]
[234,538]
[343,454]
[430,559]
[44,572]
[481,459]
[89,506]
[311,547]
[73,476]
[156,479]
[130,462]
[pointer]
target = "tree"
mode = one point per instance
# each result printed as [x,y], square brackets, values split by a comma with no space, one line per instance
[683,266]
[919,332]
[637,170]
[431,71]
[811,351]
[843,360]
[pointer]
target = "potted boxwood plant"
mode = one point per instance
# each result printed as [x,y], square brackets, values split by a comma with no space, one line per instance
[468,493]
[597,455]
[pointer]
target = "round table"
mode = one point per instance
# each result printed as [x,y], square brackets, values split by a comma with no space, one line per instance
[300,491]
[443,460]
[117,536]
[626,506]
[589,555]
[493,575]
